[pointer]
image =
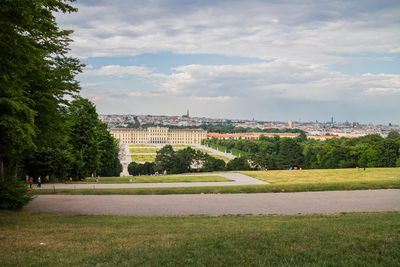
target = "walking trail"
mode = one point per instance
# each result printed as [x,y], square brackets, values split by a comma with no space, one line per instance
[220,204]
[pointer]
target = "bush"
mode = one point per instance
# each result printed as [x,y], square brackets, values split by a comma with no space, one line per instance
[14,195]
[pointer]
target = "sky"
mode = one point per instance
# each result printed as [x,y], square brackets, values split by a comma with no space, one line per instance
[268,60]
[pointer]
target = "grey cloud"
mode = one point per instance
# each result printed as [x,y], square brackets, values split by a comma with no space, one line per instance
[278,80]
[294,30]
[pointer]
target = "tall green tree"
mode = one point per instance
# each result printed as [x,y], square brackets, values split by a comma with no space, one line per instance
[109,149]
[290,153]
[238,164]
[35,76]
[388,153]
[85,139]
[165,159]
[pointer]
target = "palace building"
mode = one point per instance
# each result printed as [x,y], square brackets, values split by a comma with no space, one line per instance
[158,135]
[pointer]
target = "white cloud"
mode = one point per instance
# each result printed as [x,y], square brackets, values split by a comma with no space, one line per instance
[298,39]
[313,32]
[382,91]
[223,98]
[118,71]
[277,79]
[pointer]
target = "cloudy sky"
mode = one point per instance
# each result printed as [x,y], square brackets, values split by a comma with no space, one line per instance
[268,60]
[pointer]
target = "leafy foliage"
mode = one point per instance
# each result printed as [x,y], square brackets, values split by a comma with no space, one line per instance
[182,161]
[238,164]
[41,134]
[282,153]
[13,195]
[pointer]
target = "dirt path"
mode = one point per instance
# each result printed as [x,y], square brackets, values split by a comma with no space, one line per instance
[220,204]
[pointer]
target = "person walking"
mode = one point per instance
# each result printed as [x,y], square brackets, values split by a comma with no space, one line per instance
[30,181]
[39,182]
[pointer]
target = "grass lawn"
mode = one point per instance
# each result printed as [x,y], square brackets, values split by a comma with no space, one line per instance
[359,239]
[143,158]
[158,179]
[143,150]
[226,159]
[154,150]
[286,177]
[142,145]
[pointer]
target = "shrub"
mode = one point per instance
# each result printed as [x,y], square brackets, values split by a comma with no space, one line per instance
[14,195]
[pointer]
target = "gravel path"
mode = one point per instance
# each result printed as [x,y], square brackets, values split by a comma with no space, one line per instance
[237,179]
[220,204]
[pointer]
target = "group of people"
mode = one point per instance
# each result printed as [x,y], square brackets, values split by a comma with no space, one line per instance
[38,180]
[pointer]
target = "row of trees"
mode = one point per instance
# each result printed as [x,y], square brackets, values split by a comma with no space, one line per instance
[282,153]
[182,161]
[42,132]
[80,146]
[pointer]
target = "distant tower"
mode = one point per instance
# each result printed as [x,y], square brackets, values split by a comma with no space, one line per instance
[290,124]
[186,115]
[332,120]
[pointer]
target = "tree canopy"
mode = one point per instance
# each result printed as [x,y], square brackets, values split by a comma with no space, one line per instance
[282,153]
[46,128]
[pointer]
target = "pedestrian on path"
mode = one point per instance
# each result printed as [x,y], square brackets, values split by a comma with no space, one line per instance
[39,181]
[30,181]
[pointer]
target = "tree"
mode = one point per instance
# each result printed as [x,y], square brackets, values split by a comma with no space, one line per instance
[165,159]
[146,168]
[237,164]
[183,160]
[211,164]
[290,153]
[34,71]
[388,153]
[134,168]
[84,138]
[35,76]
[109,150]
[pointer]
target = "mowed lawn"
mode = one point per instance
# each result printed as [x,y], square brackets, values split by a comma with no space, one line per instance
[158,179]
[327,176]
[143,158]
[143,150]
[139,152]
[363,239]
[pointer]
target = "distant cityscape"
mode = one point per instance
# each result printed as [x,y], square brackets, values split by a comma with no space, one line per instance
[331,127]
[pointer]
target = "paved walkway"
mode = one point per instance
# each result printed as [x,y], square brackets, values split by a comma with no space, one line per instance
[237,179]
[220,204]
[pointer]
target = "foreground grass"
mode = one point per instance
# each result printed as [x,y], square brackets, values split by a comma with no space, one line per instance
[157,179]
[286,177]
[366,239]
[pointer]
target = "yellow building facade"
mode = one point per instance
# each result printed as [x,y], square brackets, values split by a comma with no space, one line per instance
[158,135]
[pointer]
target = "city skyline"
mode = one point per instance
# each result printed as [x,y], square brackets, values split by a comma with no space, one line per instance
[326,120]
[274,60]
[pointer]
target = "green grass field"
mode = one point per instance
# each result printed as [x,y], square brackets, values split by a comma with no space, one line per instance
[143,158]
[141,145]
[286,177]
[157,179]
[148,148]
[363,239]
[143,150]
